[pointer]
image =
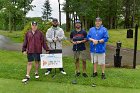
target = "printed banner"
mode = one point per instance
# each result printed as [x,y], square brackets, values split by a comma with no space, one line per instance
[51,61]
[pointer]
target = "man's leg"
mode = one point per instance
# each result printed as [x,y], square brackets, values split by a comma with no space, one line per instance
[77,65]
[84,66]
[95,67]
[36,67]
[27,77]
[102,63]
[83,57]
[29,66]
[103,71]
[103,68]
[95,63]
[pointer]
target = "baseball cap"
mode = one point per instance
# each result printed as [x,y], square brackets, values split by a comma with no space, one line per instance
[98,19]
[54,20]
[78,21]
[34,23]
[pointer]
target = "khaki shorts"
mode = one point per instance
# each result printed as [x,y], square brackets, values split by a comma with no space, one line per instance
[79,55]
[98,58]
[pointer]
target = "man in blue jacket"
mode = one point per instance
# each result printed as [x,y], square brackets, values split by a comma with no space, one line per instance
[98,36]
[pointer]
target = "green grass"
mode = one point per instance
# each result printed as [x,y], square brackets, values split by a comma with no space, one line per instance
[15,86]
[120,35]
[15,36]
[13,66]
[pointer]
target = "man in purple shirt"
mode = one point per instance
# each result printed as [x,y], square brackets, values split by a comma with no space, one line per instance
[32,47]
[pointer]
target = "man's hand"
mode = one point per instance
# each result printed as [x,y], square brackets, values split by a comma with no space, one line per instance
[74,43]
[25,53]
[55,39]
[78,42]
[47,51]
[101,41]
[94,41]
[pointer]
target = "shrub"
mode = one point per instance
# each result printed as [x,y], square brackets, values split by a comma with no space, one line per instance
[42,26]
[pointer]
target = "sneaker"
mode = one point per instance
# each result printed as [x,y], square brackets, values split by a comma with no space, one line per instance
[48,72]
[63,72]
[85,75]
[36,76]
[78,74]
[95,74]
[103,76]
[27,77]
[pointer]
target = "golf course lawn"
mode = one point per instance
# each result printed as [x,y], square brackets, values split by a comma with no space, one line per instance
[116,35]
[13,70]
[15,86]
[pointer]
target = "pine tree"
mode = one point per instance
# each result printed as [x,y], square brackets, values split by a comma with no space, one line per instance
[46,10]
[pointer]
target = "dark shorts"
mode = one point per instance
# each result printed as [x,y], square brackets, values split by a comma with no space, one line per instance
[33,57]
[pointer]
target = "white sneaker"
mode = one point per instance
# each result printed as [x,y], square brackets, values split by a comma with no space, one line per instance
[27,77]
[48,72]
[63,72]
[36,76]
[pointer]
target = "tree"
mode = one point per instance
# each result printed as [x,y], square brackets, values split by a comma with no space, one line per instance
[46,10]
[115,13]
[15,11]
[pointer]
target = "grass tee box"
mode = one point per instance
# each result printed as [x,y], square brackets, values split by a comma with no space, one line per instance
[13,66]
[15,86]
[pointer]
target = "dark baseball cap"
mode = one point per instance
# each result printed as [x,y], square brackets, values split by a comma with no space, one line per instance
[34,23]
[98,19]
[54,20]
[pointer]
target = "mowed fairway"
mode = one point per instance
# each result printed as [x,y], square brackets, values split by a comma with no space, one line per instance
[15,86]
[13,70]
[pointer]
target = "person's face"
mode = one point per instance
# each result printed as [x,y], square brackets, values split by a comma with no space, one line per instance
[78,25]
[34,27]
[55,23]
[98,23]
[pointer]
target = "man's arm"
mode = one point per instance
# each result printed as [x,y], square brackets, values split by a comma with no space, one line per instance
[48,36]
[105,37]
[91,39]
[45,46]
[61,35]
[71,38]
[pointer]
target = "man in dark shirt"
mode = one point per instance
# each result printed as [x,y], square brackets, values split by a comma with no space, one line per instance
[78,38]
[32,47]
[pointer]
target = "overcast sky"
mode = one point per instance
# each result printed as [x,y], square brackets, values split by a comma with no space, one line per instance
[37,11]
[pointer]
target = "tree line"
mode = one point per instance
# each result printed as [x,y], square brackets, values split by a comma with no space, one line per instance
[115,13]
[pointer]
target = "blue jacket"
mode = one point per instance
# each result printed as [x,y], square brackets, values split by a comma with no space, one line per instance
[98,34]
